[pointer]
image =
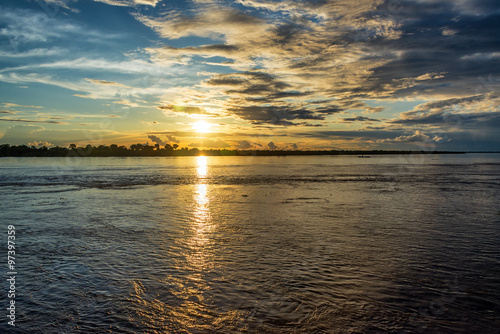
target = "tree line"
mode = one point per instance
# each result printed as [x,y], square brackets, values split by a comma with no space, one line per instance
[137,150]
[96,151]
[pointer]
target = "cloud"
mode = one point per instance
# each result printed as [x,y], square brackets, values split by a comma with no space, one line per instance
[92,90]
[452,112]
[54,4]
[38,52]
[372,110]
[26,26]
[481,56]
[156,140]
[344,52]
[9,105]
[40,143]
[210,143]
[98,64]
[35,121]
[170,52]
[280,115]
[416,137]
[104,82]
[191,134]
[360,119]
[127,103]
[183,109]
[129,3]
[243,145]
[286,67]
[272,146]
[161,142]
[214,23]
[172,139]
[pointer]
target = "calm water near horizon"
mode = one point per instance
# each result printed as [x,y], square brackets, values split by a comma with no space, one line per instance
[303,244]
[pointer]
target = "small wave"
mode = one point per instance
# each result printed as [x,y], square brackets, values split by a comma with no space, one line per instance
[74,184]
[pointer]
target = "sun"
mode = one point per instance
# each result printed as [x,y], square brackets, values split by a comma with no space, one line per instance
[202,126]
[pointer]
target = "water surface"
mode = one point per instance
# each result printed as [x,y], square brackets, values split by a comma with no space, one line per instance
[327,244]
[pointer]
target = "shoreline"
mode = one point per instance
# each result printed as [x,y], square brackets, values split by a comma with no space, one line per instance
[181,153]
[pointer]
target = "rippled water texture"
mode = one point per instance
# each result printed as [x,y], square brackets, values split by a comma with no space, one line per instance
[326,244]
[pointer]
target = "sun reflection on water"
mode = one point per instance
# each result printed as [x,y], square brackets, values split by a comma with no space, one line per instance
[201,201]
[202,224]
[201,195]
[192,284]
[201,167]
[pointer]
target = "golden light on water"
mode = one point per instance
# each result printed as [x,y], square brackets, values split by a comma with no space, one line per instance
[202,220]
[198,252]
[201,195]
[201,167]
[202,201]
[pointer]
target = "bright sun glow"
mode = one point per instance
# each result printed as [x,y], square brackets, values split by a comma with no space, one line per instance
[202,126]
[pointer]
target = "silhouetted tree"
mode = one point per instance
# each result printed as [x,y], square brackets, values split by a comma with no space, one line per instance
[148,149]
[136,147]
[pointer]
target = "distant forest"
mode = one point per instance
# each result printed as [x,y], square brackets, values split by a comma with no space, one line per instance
[141,150]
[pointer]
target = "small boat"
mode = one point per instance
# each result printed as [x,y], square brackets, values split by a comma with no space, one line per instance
[364,156]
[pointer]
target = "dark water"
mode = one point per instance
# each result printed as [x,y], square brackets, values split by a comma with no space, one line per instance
[401,244]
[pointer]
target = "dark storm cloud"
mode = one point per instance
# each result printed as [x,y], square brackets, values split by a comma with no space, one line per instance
[462,120]
[225,80]
[276,96]
[277,115]
[352,134]
[288,32]
[471,111]
[257,90]
[431,118]
[360,119]
[252,83]
[440,37]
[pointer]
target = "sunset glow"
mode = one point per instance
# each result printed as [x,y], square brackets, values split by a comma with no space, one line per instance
[202,126]
[273,75]
[250,166]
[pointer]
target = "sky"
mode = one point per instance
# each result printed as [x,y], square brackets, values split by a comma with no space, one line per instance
[251,74]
